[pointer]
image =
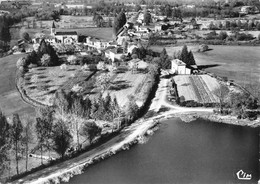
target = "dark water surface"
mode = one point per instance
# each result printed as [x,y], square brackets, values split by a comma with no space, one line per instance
[179,152]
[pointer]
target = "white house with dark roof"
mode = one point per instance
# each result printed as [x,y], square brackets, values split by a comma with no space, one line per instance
[95,43]
[179,67]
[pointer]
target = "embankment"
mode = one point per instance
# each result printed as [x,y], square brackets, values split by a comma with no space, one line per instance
[64,171]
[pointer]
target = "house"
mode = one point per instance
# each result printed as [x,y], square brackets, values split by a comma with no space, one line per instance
[67,37]
[115,54]
[179,67]
[75,6]
[94,43]
[130,48]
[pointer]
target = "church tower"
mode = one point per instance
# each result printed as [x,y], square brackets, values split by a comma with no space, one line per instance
[53,29]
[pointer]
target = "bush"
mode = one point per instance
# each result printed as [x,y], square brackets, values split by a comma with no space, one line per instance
[21,62]
[21,71]
[192,103]
[72,60]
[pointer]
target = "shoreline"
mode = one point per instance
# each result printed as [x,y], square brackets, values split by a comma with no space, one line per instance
[129,136]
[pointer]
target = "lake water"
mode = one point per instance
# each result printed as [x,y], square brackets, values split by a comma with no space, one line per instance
[179,152]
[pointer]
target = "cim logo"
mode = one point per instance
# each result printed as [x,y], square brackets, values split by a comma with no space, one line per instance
[241,175]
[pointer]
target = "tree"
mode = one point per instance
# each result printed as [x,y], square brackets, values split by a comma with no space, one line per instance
[45,60]
[168,11]
[165,62]
[132,108]
[258,26]
[227,25]
[125,46]
[119,22]
[98,20]
[61,138]
[115,109]
[62,101]
[101,65]
[212,26]
[42,49]
[176,14]
[147,18]
[26,36]
[90,130]
[221,93]
[223,35]
[43,128]
[5,35]
[16,137]
[191,60]
[250,25]
[109,23]
[103,81]
[238,22]
[5,130]
[27,138]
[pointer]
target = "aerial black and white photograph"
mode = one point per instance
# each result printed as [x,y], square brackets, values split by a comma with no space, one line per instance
[129,91]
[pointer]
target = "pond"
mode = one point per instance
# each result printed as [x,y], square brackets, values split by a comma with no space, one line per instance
[197,152]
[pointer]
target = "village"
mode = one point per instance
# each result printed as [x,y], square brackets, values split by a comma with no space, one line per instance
[90,79]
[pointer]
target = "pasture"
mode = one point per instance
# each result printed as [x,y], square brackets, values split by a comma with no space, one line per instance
[199,88]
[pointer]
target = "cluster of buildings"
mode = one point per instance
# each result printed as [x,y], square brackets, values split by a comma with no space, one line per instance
[125,42]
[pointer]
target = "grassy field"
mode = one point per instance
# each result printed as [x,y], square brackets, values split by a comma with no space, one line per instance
[198,88]
[10,99]
[128,83]
[238,63]
[82,24]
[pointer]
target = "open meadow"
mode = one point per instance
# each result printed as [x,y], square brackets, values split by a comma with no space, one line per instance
[10,99]
[238,63]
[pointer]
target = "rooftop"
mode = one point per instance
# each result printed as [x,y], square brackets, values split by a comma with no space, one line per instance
[178,62]
[67,33]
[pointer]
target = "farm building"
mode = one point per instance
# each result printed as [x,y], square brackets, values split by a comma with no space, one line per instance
[179,67]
